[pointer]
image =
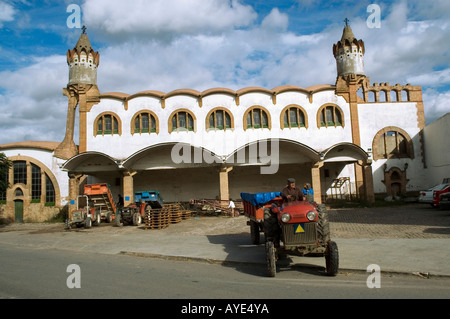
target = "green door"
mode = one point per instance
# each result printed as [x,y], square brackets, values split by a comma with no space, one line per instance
[18,209]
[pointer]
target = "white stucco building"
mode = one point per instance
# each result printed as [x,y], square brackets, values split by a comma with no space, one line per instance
[352,138]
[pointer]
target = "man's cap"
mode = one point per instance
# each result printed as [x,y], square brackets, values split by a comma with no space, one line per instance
[291,180]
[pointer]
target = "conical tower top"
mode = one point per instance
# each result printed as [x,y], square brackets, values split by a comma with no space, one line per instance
[349,53]
[83,62]
[83,43]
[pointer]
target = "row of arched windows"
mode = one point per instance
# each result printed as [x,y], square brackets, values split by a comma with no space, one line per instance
[384,95]
[256,117]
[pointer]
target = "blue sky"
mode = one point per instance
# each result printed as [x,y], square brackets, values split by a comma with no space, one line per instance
[171,44]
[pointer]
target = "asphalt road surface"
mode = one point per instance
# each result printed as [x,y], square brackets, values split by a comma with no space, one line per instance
[41,274]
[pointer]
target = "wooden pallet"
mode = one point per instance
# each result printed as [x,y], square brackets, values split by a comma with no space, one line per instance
[163,217]
[186,214]
[157,219]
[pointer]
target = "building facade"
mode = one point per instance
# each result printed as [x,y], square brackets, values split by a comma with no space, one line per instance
[352,138]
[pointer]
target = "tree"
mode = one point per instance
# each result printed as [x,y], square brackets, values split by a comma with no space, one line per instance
[5,164]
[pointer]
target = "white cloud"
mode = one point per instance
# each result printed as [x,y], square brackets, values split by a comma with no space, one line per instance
[275,20]
[7,13]
[165,16]
[197,44]
[436,104]
[32,104]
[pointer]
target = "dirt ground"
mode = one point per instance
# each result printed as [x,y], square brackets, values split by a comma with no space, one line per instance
[407,221]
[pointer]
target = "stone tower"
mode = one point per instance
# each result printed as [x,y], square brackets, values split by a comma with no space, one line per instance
[349,53]
[81,91]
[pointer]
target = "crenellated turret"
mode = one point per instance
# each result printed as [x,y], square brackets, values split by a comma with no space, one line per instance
[349,54]
[83,62]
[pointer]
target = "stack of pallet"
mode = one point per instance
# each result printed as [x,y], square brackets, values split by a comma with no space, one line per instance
[174,213]
[157,219]
[185,214]
[168,214]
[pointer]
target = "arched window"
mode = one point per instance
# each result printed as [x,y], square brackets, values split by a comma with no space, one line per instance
[36,183]
[20,172]
[392,142]
[405,95]
[144,122]
[330,115]
[219,119]
[50,195]
[371,96]
[107,124]
[293,116]
[182,121]
[257,117]
[393,96]
[383,96]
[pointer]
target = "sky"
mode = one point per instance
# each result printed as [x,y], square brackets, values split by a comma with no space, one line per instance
[166,45]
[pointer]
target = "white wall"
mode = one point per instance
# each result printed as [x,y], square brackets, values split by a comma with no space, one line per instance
[437,150]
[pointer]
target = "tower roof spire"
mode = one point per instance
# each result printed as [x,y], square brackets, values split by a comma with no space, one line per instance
[348,33]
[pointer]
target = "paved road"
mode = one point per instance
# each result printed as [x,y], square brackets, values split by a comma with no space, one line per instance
[406,239]
[33,273]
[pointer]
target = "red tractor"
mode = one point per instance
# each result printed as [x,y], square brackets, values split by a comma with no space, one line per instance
[298,228]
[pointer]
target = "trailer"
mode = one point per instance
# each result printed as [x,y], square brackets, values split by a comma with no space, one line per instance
[296,228]
[254,207]
[101,196]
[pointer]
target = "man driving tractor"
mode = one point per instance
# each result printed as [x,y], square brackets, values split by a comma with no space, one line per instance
[291,193]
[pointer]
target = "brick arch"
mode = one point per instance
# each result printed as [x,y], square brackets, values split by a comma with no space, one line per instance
[263,109]
[174,113]
[287,108]
[395,176]
[114,115]
[25,189]
[336,108]
[375,144]
[219,109]
[132,127]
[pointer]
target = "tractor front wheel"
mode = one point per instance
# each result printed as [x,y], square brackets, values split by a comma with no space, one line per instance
[271,259]
[332,259]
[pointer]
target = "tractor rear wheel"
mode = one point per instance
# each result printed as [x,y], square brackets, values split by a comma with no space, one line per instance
[271,260]
[87,222]
[98,219]
[323,226]
[137,219]
[332,259]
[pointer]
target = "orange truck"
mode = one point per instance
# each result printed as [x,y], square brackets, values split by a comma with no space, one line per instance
[96,205]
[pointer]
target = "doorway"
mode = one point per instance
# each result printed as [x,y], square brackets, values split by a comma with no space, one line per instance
[18,211]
